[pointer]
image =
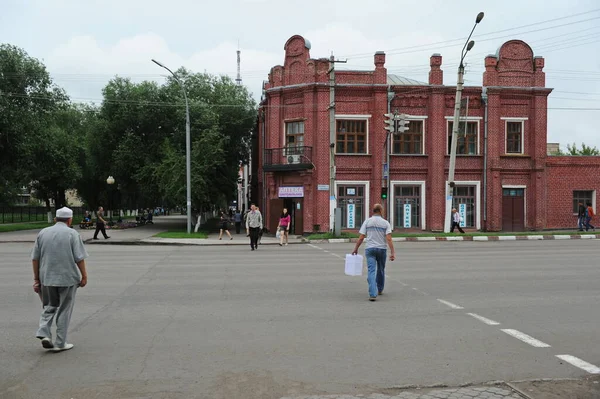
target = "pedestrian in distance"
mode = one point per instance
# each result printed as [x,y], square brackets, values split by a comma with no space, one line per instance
[588,217]
[581,211]
[456,219]
[254,224]
[238,221]
[224,226]
[100,224]
[377,232]
[284,226]
[58,259]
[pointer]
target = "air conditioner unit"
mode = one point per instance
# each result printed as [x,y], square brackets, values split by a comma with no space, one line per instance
[292,159]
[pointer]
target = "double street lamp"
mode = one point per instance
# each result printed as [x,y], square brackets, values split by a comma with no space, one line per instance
[110,181]
[455,128]
[187,149]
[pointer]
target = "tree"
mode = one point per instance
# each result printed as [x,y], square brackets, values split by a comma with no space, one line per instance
[27,97]
[585,150]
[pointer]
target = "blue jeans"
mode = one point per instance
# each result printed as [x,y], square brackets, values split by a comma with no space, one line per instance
[376,269]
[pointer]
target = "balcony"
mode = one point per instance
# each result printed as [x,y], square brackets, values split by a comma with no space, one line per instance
[287,159]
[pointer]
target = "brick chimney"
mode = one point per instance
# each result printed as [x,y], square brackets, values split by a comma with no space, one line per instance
[380,74]
[436,75]
[490,76]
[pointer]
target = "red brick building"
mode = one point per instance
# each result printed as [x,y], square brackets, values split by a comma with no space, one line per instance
[505,180]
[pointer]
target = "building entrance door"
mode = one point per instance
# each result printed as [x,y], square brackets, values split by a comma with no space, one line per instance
[513,209]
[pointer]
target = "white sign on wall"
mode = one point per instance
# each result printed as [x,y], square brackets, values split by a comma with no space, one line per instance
[462,211]
[351,215]
[407,216]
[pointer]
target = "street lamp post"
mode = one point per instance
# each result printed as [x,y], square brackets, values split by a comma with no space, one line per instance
[110,181]
[187,149]
[459,87]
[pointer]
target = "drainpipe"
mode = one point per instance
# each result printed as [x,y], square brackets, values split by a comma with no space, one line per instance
[484,99]
[264,182]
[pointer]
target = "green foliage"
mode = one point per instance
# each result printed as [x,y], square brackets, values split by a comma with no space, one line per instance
[137,135]
[182,234]
[585,150]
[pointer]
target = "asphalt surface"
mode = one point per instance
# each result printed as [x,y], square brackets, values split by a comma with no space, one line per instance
[225,322]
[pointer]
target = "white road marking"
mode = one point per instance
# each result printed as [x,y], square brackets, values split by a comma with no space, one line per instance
[450,304]
[487,321]
[575,361]
[314,246]
[526,338]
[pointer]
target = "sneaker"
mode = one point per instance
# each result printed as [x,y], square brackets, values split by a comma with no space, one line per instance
[380,293]
[280,244]
[63,348]
[107,237]
[96,238]
[372,298]
[47,343]
[286,244]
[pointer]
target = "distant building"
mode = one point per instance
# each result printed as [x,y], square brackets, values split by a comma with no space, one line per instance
[553,148]
[505,181]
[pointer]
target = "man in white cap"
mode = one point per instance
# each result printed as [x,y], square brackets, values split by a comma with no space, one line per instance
[58,259]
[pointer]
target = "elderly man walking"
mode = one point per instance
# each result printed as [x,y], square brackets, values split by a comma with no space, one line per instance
[378,233]
[58,259]
[254,224]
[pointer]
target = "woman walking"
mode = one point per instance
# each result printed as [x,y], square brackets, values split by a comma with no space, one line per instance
[224,226]
[588,217]
[284,226]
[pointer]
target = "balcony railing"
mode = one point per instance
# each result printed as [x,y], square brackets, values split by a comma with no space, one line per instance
[288,158]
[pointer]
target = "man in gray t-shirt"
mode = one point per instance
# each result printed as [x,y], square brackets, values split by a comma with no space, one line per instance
[58,259]
[378,234]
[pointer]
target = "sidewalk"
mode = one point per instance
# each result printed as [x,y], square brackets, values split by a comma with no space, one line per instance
[532,236]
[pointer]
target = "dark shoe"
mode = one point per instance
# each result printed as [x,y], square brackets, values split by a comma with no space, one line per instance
[280,244]
[380,293]
[230,238]
[46,343]
[252,248]
[372,298]
[106,238]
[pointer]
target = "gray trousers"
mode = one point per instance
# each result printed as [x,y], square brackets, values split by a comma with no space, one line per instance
[57,301]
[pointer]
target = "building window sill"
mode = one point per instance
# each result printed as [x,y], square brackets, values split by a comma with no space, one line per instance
[515,156]
[409,155]
[467,155]
[352,155]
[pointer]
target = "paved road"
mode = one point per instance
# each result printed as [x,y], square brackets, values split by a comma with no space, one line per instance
[225,322]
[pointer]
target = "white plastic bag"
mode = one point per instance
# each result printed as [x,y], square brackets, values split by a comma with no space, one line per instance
[354,265]
[278,234]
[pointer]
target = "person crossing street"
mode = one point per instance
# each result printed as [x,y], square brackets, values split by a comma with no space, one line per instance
[254,224]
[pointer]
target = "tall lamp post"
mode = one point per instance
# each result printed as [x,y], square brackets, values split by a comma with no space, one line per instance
[459,88]
[110,181]
[187,149]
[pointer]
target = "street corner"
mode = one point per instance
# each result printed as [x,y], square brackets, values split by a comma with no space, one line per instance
[496,391]
[583,388]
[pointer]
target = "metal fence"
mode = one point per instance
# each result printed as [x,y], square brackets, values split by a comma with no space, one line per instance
[26,214]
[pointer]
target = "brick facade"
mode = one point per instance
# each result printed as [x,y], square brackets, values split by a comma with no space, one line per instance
[535,190]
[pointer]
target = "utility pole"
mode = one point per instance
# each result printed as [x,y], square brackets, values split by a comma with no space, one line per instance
[457,102]
[332,194]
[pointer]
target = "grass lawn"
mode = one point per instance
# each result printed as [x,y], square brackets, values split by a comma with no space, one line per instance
[22,226]
[181,234]
[327,236]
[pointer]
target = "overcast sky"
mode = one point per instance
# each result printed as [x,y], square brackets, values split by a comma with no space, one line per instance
[86,42]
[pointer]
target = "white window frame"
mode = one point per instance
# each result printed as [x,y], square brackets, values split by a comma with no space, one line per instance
[524,187]
[365,117]
[593,198]
[514,119]
[422,184]
[464,119]
[366,183]
[411,118]
[294,120]
[477,184]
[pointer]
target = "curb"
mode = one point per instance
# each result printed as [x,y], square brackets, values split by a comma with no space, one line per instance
[201,243]
[533,237]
